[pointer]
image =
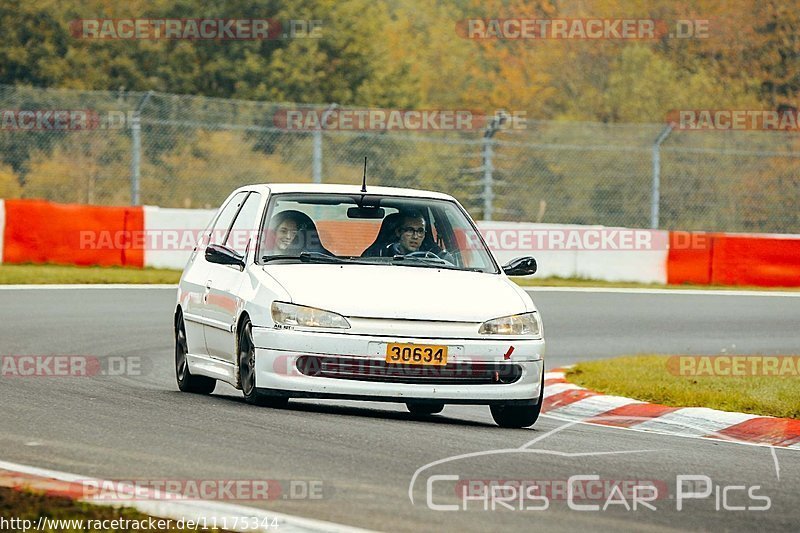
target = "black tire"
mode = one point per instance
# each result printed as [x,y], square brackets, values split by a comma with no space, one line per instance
[424,408]
[247,374]
[186,381]
[518,416]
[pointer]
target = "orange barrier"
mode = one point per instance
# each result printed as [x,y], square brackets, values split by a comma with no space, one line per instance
[761,261]
[723,259]
[38,231]
[689,258]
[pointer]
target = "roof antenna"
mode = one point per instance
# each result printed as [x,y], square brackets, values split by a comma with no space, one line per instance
[364,181]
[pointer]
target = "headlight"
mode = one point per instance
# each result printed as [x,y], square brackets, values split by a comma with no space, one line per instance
[524,324]
[299,315]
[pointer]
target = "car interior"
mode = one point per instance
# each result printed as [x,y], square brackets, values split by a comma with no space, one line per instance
[439,238]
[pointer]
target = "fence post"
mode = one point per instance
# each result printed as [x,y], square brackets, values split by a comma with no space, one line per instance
[488,194]
[488,169]
[316,156]
[655,199]
[136,148]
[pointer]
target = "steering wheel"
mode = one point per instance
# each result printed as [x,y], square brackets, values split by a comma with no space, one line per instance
[428,255]
[423,254]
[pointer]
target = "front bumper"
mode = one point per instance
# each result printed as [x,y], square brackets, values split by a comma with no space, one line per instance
[278,352]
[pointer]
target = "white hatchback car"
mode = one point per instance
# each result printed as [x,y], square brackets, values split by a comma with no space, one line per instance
[332,291]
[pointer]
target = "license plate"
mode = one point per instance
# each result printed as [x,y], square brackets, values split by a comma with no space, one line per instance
[416,354]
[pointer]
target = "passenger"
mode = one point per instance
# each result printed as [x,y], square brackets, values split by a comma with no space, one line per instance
[291,232]
[285,234]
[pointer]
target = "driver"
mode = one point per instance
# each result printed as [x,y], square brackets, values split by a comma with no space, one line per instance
[411,238]
[410,233]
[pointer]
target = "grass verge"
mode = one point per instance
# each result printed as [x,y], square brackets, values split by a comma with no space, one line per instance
[23,505]
[648,378]
[58,274]
[66,274]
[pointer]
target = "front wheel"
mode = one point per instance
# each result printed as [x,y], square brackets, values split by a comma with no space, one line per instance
[518,416]
[247,371]
[186,381]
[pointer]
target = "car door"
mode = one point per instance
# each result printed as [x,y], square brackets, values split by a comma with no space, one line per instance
[193,289]
[223,282]
[195,277]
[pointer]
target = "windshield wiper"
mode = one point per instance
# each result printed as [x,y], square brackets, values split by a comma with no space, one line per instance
[434,262]
[428,260]
[307,257]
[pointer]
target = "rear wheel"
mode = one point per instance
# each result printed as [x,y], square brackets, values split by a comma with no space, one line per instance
[247,371]
[424,408]
[186,381]
[518,416]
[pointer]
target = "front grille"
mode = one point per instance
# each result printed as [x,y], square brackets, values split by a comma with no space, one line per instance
[375,370]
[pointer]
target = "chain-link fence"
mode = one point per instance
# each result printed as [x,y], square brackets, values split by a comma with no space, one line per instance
[188,151]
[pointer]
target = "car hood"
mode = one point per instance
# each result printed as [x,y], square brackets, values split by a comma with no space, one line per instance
[387,291]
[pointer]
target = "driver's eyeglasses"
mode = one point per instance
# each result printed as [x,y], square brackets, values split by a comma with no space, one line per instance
[413,231]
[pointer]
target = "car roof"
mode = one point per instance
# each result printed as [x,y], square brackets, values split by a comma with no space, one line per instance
[331,188]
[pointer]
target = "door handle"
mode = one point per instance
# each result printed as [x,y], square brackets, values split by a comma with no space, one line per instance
[208,285]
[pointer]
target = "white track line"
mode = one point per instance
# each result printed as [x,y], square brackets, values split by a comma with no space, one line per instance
[591,406]
[698,421]
[197,509]
[694,292]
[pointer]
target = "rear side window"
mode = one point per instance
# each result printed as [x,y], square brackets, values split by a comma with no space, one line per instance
[220,230]
[245,226]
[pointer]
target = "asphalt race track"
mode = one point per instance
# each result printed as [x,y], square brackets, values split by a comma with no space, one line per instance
[366,454]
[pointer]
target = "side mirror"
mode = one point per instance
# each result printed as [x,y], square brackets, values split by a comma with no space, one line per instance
[216,253]
[521,266]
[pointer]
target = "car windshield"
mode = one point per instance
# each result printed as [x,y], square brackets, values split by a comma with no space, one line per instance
[372,229]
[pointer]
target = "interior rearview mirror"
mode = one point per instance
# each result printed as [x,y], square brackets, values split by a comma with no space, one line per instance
[366,212]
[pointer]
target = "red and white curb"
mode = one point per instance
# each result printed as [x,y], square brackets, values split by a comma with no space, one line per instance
[235,517]
[567,401]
